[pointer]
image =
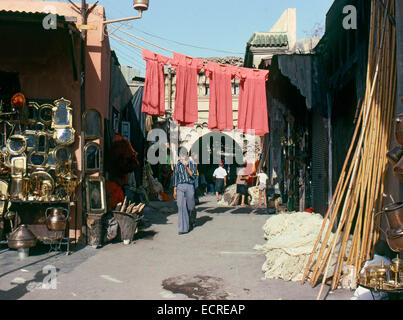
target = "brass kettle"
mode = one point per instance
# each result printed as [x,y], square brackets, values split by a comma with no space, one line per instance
[56,218]
[21,237]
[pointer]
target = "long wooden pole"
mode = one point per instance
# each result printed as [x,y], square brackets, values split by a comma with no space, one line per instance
[369,107]
[332,207]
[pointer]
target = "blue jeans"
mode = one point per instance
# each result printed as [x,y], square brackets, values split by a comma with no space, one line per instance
[186,206]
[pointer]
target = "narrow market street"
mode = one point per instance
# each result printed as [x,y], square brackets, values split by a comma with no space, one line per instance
[215,261]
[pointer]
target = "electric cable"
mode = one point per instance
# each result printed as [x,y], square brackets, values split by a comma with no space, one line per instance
[141,39]
[185,44]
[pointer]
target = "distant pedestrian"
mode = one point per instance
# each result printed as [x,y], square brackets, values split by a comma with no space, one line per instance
[241,186]
[262,185]
[194,158]
[220,176]
[184,176]
[203,183]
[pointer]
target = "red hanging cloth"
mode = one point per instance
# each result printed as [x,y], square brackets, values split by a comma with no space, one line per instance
[187,69]
[220,109]
[252,109]
[154,87]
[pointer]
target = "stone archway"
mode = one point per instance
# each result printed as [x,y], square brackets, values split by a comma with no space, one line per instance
[213,147]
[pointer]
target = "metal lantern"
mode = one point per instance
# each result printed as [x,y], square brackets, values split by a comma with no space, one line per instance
[70,182]
[140,5]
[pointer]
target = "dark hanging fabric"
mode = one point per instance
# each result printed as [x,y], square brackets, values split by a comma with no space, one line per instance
[108,139]
[137,121]
[122,159]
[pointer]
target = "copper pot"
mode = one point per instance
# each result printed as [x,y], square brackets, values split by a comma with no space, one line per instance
[56,220]
[395,155]
[21,237]
[394,217]
[399,129]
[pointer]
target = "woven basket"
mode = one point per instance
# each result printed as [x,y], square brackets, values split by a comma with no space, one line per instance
[127,225]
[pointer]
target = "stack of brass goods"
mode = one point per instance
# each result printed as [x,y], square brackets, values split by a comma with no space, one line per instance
[385,278]
[360,188]
[36,147]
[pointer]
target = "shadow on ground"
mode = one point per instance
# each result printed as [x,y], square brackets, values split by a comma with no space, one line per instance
[202,220]
[41,279]
[145,235]
[219,210]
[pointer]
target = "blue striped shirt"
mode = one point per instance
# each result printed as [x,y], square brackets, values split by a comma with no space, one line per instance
[181,175]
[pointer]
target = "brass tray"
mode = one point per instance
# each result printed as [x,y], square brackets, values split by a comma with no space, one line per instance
[387,287]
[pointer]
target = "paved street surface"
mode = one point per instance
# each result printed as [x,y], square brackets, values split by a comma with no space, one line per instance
[215,261]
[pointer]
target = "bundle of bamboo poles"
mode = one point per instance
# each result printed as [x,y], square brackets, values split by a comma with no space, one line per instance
[359,192]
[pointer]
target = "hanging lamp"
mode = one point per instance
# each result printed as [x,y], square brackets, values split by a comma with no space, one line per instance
[140,5]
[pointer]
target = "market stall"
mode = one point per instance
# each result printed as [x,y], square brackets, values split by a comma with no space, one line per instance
[52,133]
[38,172]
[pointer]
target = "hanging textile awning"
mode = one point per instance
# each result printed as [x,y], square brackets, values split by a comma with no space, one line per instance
[300,70]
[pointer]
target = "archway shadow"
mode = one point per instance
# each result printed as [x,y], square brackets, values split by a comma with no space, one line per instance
[202,221]
[220,210]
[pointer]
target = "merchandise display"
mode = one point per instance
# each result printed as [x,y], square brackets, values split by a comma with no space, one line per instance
[38,175]
[290,240]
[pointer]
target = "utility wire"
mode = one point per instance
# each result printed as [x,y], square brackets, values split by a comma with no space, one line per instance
[129,58]
[127,48]
[124,57]
[141,39]
[131,44]
[186,44]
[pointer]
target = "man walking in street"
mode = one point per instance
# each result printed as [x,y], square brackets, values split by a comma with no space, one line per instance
[220,176]
[184,176]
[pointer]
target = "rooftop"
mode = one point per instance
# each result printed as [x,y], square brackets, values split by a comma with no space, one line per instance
[268,39]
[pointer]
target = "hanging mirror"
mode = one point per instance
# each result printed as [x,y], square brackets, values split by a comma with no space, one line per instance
[62,114]
[39,126]
[51,163]
[45,114]
[61,154]
[31,112]
[10,159]
[95,195]
[52,173]
[64,136]
[92,158]
[30,135]
[51,141]
[42,143]
[36,159]
[92,121]
[16,144]
[18,166]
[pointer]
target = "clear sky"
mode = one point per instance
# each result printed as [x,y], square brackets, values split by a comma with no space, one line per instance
[222,26]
